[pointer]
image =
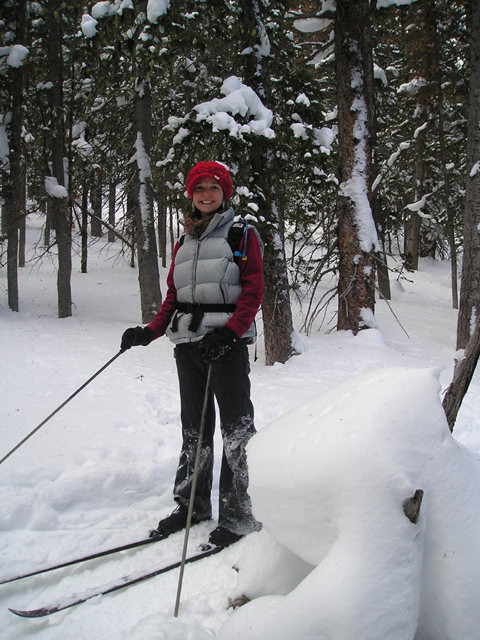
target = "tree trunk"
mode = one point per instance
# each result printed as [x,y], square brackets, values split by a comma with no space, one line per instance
[276,308]
[412,240]
[60,209]
[12,251]
[450,212]
[131,224]
[47,232]
[3,201]
[426,60]
[145,237]
[463,374]
[356,230]
[378,211]
[22,238]
[148,273]
[84,228]
[412,220]
[162,220]
[172,235]
[13,208]
[96,200]
[111,210]
[469,311]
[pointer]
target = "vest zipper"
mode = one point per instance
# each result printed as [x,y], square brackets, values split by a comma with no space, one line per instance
[194,270]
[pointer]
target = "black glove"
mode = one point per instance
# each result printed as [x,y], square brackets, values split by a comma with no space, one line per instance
[135,336]
[216,344]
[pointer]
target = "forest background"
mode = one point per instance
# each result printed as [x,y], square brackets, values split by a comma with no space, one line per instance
[351,130]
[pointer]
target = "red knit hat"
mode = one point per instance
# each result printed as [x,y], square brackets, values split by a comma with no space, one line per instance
[214,171]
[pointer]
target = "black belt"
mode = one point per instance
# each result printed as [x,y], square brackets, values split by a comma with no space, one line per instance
[198,311]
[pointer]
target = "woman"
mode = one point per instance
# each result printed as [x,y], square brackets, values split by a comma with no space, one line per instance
[209,313]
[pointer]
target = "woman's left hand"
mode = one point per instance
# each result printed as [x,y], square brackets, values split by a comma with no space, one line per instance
[216,344]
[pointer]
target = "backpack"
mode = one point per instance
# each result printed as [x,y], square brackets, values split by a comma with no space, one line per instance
[235,234]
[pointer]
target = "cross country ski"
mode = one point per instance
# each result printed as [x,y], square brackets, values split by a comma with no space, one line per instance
[122,583]
[94,556]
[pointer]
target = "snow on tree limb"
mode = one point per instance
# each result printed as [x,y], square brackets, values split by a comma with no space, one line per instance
[311,25]
[157,8]
[239,100]
[88,26]
[16,55]
[54,189]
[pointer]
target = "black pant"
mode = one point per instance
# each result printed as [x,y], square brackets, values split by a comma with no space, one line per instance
[230,385]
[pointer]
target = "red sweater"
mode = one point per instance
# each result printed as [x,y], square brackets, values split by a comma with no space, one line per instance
[248,303]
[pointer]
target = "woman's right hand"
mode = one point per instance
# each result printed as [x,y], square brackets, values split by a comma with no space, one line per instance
[135,336]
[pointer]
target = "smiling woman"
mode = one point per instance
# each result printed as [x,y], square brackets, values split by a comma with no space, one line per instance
[209,313]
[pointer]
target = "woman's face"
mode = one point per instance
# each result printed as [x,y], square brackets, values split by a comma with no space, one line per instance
[207,196]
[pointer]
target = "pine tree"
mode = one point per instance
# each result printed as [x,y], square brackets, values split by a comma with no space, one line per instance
[468,316]
[14,207]
[356,232]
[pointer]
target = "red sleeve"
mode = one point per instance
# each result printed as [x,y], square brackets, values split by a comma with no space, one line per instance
[161,321]
[251,279]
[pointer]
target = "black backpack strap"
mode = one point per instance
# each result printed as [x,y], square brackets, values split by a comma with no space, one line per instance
[235,235]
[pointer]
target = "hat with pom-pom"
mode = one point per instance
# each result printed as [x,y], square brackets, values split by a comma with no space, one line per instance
[212,170]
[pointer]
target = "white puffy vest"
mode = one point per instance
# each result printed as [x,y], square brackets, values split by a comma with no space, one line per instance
[206,273]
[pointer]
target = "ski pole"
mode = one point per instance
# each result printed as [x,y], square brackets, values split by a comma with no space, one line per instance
[61,406]
[192,490]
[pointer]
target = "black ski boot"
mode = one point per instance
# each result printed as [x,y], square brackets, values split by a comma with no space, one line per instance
[176,521]
[221,537]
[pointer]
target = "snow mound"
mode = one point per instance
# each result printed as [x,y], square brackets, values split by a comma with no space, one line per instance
[329,480]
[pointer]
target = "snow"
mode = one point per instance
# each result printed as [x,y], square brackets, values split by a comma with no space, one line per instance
[88,26]
[380,74]
[355,188]
[420,129]
[311,25]
[157,8]
[473,319]
[100,473]
[398,3]
[239,99]
[416,206]
[324,137]
[356,454]
[54,189]
[299,130]
[144,173]
[303,99]
[180,136]
[17,55]
[412,87]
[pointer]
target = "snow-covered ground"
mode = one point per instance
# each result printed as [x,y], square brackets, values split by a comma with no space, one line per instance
[100,472]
